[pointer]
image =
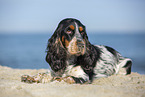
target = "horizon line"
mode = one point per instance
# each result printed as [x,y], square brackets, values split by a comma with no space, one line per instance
[89,32]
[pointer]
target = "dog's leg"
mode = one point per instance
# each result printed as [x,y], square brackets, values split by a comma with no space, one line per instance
[125,66]
[75,75]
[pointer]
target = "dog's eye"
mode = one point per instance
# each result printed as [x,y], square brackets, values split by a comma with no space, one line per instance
[82,33]
[69,32]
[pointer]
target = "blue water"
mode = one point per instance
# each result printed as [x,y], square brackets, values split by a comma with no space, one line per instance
[27,51]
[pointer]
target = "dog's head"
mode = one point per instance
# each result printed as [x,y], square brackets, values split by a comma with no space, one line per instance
[69,38]
[72,34]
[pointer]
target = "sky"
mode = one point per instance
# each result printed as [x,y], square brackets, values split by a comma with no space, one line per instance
[37,16]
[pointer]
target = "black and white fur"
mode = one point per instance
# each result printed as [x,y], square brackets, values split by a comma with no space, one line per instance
[74,59]
[108,63]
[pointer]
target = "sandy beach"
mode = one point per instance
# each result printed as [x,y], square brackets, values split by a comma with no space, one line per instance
[114,86]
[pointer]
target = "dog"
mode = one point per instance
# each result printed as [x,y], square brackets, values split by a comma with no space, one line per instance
[74,59]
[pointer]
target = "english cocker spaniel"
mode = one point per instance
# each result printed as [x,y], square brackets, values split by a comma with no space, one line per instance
[74,59]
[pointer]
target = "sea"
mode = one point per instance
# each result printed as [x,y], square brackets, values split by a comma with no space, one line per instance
[27,50]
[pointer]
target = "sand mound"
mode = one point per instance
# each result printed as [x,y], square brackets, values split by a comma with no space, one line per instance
[114,86]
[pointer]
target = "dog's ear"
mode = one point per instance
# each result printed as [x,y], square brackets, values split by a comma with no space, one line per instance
[56,53]
[86,37]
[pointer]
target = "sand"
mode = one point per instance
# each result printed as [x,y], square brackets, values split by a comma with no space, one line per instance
[114,86]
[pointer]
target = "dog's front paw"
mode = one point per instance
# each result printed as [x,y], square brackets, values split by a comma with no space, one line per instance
[27,79]
[57,79]
[69,80]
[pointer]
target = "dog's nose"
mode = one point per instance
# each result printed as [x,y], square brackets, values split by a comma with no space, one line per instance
[79,42]
[80,46]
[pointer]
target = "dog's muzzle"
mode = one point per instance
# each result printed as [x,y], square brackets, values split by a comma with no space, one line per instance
[77,46]
[80,45]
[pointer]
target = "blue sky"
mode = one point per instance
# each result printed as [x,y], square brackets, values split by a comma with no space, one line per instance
[97,15]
